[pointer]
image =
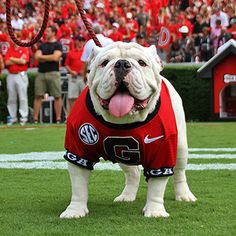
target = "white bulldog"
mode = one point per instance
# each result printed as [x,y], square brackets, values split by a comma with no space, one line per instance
[132,115]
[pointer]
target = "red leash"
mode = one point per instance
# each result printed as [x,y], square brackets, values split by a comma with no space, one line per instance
[44,25]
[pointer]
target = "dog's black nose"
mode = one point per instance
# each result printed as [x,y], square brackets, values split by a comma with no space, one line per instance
[121,68]
[122,65]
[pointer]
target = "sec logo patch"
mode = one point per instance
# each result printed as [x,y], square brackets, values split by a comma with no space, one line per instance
[88,134]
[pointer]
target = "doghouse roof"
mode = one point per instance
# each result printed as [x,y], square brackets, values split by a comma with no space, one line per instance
[206,70]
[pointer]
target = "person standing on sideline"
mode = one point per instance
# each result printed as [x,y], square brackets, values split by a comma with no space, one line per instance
[74,66]
[16,61]
[48,79]
[1,63]
[1,68]
[90,45]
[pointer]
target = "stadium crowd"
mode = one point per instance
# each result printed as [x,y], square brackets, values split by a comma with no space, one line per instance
[183,31]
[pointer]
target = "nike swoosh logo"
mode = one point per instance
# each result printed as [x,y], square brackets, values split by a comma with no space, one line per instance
[150,140]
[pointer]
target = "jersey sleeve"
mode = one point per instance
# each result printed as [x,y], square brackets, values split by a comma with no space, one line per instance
[163,157]
[74,153]
[163,160]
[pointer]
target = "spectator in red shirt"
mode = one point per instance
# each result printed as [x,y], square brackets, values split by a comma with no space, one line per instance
[232,28]
[67,9]
[181,20]
[71,8]
[115,8]
[75,67]
[132,26]
[116,35]
[154,8]
[123,29]
[16,61]
[66,42]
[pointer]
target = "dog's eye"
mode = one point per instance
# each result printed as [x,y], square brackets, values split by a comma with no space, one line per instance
[142,63]
[104,63]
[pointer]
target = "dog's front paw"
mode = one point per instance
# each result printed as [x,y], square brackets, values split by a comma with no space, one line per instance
[74,211]
[155,210]
[125,198]
[183,193]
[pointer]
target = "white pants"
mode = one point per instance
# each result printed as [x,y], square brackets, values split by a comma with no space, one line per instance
[17,85]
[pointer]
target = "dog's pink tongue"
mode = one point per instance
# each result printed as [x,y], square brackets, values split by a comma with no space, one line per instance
[121,104]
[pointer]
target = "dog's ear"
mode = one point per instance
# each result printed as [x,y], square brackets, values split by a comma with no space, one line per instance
[152,49]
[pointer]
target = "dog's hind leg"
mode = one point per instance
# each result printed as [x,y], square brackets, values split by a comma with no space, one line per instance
[182,191]
[132,179]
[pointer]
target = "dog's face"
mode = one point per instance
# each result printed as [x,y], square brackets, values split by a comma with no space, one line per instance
[124,81]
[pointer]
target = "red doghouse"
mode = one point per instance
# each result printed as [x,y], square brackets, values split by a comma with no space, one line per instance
[221,69]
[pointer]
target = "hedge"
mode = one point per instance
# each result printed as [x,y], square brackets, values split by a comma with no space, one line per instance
[195,92]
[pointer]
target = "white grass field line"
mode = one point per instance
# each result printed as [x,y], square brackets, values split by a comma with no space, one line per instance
[56,156]
[212,149]
[54,160]
[103,166]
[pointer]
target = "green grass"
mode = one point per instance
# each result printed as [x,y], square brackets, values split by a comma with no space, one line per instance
[212,160]
[17,139]
[32,200]
[212,135]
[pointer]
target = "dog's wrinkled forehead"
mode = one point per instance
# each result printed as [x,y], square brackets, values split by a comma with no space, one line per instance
[121,50]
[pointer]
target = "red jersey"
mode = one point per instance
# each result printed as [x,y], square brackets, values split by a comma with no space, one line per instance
[123,30]
[73,60]
[152,143]
[155,7]
[116,36]
[132,25]
[67,44]
[17,52]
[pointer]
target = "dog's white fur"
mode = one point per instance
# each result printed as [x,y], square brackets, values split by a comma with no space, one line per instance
[102,83]
[142,81]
